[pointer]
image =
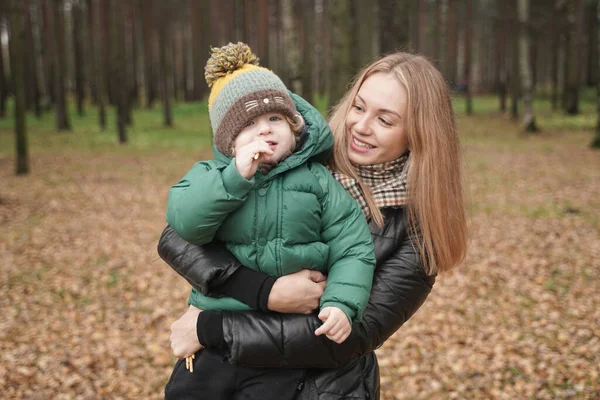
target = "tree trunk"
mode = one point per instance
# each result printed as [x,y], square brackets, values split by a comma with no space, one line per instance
[99,74]
[555,50]
[468,55]
[437,40]
[39,55]
[118,70]
[341,68]
[133,98]
[525,67]
[574,57]
[262,32]
[502,35]
[3,81]
[292,52]
[77,13]
[364,30]
[148,32]
[57,23]
[17,42]
[200,14]
[514,57]
[394,25]
[32,95]
[452,44]
[593,74]
[164,39]
[596,141]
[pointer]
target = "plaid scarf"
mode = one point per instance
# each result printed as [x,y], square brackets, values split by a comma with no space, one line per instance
[387,181]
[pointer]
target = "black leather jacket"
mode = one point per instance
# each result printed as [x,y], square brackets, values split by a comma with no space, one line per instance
[335,371]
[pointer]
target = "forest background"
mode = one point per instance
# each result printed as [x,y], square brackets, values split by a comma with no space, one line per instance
[102,109]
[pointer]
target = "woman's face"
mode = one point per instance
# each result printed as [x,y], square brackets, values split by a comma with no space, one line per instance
[375,124]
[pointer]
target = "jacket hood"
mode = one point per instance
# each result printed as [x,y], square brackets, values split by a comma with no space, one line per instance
[316,140]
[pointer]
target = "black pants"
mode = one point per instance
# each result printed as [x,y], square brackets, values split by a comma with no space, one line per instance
[216,379]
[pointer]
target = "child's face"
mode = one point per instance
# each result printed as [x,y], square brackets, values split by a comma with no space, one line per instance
[274,129]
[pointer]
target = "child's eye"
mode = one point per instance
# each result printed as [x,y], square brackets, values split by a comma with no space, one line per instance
[249,123]
[275,118]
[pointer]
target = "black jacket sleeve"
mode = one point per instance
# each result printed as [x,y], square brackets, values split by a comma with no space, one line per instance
[400,287]
[214,271]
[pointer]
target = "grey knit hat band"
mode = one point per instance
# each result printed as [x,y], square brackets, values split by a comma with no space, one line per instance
[241,85]
[246,108]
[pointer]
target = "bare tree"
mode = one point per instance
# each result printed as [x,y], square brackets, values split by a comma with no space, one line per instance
[394,25]
[164,39]
[118,70]
[501,38]
[56,24]
[574,59]
[17,41]
[3,82]
[468,24]
[149,34]
[525,67]
[77,18]
[452,43]
[341,68]
[199,16]
[32,93]
[593,72]
[596,141]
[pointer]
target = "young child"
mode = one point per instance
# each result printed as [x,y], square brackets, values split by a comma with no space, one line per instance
[267,197]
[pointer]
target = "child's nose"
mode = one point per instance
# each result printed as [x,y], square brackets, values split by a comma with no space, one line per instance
[264,128]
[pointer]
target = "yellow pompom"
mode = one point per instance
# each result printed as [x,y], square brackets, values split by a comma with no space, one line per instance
[227,59]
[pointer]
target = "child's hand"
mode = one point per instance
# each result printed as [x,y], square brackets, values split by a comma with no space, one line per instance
[336,326]
[245,160]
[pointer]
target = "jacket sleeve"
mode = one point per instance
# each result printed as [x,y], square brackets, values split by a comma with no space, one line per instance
[351,254]
[204,197]
[287,340]
[204,267]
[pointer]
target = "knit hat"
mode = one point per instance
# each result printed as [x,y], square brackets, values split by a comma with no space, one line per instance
[240,91]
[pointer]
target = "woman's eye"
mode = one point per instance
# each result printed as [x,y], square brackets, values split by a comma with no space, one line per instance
[383,121]
[357,107]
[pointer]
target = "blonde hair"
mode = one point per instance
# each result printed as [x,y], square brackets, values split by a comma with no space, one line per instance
[436,214]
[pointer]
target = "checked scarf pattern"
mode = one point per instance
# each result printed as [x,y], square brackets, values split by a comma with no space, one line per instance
[388,183]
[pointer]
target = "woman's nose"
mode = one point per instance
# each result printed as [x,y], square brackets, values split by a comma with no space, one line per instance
[362,125]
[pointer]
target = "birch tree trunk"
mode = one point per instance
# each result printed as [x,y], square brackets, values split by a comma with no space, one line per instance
[525,67]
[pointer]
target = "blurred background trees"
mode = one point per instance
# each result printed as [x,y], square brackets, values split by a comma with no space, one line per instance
[128,54]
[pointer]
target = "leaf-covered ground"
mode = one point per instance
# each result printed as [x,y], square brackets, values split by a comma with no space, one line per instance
[86,304]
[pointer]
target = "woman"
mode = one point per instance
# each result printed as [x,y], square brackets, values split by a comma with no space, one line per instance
[396,151]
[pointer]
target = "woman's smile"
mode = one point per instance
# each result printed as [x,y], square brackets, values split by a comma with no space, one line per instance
[360,146]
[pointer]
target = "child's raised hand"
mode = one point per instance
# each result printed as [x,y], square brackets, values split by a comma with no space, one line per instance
[245,160]
[336,324]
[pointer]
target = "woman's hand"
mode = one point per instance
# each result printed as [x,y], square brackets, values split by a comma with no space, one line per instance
[184,339]
[299,292]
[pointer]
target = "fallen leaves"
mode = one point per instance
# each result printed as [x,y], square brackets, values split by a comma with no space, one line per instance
[86,303]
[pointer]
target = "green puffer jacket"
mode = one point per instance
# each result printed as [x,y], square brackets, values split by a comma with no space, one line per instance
[296,216]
